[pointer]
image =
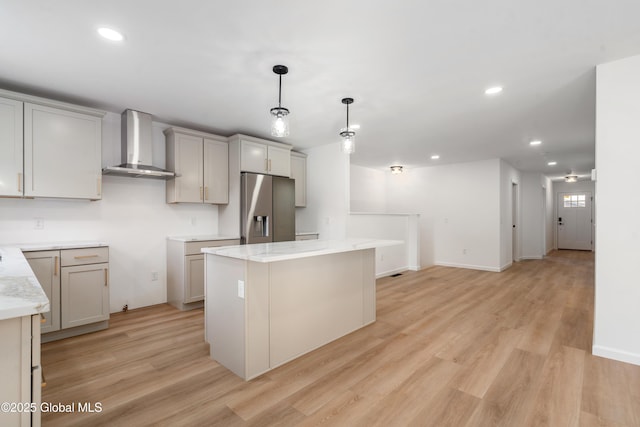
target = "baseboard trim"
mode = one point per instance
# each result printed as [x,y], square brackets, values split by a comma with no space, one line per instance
[471,267]
[615,354]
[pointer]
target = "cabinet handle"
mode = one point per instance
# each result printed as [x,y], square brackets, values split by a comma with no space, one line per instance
[85,256]
[106,276]
[55,266]
[266,165]
[269,165]
[44,380]
[206,193]
[99,186]
[19,182]
[201,198]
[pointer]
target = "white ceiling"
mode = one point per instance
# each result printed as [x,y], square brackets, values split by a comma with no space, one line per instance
[417,70]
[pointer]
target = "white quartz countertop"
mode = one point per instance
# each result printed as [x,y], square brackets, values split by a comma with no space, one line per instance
[202,238]
[51,246]
[282,251]
[20,292]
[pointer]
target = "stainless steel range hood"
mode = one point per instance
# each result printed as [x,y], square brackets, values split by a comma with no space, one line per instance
[137,146]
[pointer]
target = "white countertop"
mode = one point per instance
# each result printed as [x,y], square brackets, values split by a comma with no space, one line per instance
[202,238]
[282,251]
[20,292]
[52,246]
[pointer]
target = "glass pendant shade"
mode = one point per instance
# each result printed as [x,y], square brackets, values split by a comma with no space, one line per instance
[279,122]
[279,114]
[347,134]
[348,144]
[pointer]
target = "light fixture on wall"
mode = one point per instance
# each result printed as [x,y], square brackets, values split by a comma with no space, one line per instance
[396,169]
[571,178]
[348,135]
[280,119]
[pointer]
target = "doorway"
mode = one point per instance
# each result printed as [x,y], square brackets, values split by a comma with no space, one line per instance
[575,221]
[514,221]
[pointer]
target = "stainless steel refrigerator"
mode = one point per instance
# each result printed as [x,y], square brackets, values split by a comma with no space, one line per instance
[267,210]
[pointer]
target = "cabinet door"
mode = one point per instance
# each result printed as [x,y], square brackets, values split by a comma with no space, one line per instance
[15,368]
[46,267]
[84,296]
[62,153]
[194,278]
[299,174]
[11,176]
[216,171]
[253,157]
[279,161]
[188,168]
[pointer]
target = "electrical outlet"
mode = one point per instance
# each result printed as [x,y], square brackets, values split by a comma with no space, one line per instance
[154,276]
[193,221]
[240,288]
[464,252]
[39,223]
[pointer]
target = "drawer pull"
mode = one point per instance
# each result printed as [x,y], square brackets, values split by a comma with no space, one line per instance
[106,277]
[85,256]
[44,380]
[55,266]
[206,193]
[19,183]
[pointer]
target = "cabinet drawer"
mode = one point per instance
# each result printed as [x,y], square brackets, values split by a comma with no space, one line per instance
[83,256]
[193,248]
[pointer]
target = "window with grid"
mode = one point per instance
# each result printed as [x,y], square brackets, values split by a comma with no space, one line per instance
[575,201]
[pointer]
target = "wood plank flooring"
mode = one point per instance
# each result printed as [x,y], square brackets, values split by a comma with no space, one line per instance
[450,347]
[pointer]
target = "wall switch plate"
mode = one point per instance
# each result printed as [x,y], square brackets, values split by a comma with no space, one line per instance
[154,276]
[39,223]
[240,288]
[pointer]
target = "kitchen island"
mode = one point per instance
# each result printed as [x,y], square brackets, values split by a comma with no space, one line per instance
[22,302]
[266,304]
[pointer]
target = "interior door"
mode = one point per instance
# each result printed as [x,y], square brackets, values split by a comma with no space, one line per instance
[574,221]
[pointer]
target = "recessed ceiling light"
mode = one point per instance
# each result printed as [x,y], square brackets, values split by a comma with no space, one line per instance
[493,90]
[110,34]
[396,169]
[435,157]
[535,142]
[552,163]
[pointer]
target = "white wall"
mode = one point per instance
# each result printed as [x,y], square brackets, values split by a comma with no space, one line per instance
[367,189]
[509,176]
[327,193]
[534,193]
[132,218]
[467,215]
[550,218]
[617,287]
[459,212]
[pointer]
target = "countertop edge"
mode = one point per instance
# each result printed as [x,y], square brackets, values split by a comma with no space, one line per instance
[283,251]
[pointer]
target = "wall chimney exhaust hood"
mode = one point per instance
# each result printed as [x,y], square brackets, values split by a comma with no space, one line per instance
[136,151]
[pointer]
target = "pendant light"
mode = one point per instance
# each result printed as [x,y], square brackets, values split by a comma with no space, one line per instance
[348,135]
[280,115]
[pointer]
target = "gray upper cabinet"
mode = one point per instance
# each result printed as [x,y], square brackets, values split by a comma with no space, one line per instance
[11,173]
[49,148]
[201,164]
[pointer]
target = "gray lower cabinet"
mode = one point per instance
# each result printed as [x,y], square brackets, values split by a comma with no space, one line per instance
[185,271]
[20,370]
[76,282]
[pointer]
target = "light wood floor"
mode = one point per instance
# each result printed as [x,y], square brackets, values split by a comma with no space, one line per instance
[450,347]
